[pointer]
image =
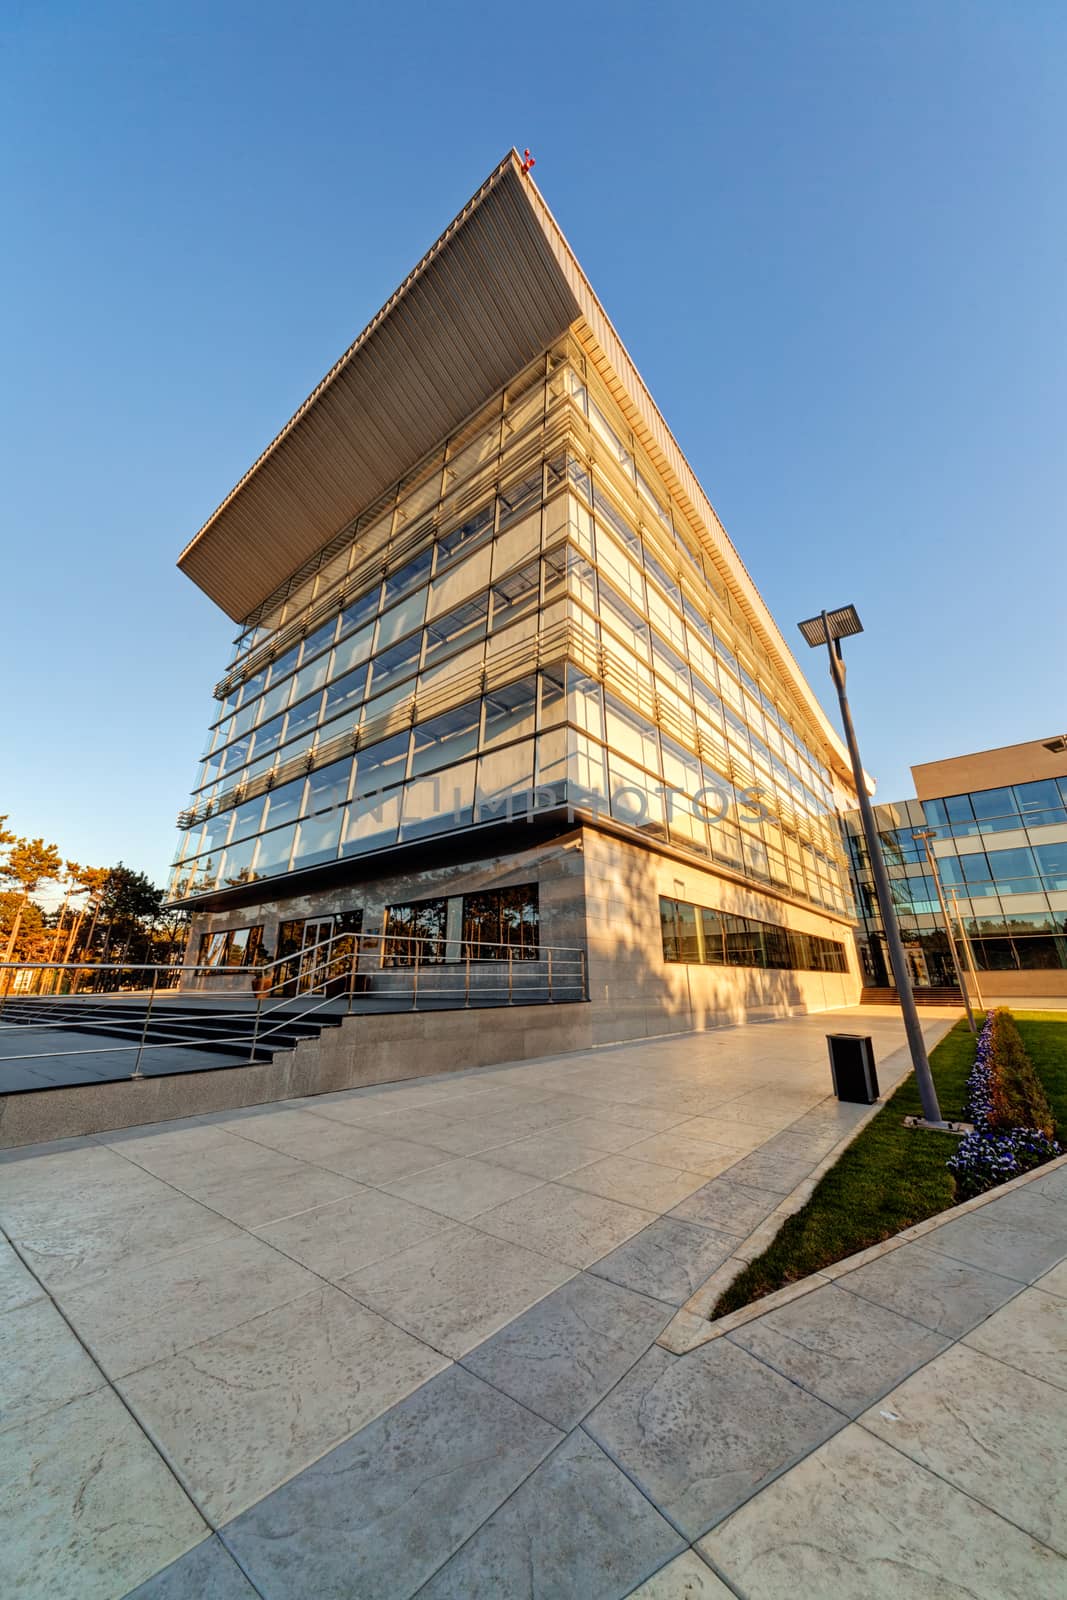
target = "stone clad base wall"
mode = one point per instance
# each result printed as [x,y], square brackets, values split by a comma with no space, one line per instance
[364,1050]
[635,994]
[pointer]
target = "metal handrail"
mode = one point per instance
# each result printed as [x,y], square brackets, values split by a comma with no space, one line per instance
[399,958]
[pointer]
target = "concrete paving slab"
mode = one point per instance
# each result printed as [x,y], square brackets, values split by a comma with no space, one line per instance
[767,1170]
[700,1433]
[563,1355]
[207,1573]
[42,1364]
[727,1205]
[1001,1442]
[948,1296]
[684,1578]
[577,1526]
[461,1189]
[88,1507]
[858,1520]
[668,1260]
[565,1224]
[337,1239]
[1054,1282]
[18,1286]
[555,1152]
[682,1150]
[381,1513]
[844,1350]
[275,1187]
[1019,1240]
[135,1316]
[634,1182]
[1029,1333]
[243,1411]
[74,1249]
[458,1287]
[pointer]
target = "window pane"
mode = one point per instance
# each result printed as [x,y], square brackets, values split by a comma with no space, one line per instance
[445,739]
[408,577]
[415,931]
[344,694]
[473,532]
[316,642]
[395,664]
[283,805]
[458,627]
[328,787]
[317,839]
[994,803]
[516,595]
[303,717]
[274,850]
[402,619]
[509,712]
[381,764]
[1040,796]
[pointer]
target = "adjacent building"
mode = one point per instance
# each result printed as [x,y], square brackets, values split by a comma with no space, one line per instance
[1000,820]
[501,682]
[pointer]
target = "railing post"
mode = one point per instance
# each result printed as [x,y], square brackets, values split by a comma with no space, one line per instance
[137,1073]
[467,978]
[511,1000]
[551,997]
[415,980]
[584,976]
[255,1026]
[353,971]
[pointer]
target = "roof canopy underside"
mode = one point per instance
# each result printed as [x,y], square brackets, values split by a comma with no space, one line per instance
[483,303]
[498,287]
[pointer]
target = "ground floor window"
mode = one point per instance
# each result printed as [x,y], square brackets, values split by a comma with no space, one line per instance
[488,926]
[417,930]
[235,947]
[501,920]
[718,938]
[1031,953]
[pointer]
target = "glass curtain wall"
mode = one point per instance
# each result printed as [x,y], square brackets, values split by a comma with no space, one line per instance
[526,620]
[1002,861]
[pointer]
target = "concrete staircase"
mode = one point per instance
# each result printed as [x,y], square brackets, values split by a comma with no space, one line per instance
[221,1032]
[947,996]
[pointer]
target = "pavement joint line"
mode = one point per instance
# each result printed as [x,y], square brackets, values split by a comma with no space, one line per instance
[170,1466]
[924,1466]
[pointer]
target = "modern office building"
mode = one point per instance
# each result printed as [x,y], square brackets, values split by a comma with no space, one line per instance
[501,681]
[1000,819]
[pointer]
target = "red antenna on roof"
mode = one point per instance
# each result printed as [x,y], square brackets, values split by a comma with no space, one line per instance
[527,161]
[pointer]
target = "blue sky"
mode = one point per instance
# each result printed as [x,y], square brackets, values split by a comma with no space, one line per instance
[832,236]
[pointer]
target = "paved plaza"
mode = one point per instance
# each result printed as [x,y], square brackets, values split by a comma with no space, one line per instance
[442,1338]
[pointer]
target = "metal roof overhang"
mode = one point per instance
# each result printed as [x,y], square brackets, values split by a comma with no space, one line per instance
[480,305]
[499,285]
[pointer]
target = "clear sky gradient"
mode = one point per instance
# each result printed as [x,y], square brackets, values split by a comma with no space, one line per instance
[832,236]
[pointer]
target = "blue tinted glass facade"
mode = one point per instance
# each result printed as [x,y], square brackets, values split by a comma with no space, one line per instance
[1001,858]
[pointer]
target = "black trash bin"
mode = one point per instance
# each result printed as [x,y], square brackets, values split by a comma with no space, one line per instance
[852,1065]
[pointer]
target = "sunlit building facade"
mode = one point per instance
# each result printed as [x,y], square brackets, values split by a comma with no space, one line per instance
[999,821]
[501,680]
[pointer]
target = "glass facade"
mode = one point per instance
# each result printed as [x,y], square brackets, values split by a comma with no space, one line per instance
[526,622]
[720,939]
[1002,861]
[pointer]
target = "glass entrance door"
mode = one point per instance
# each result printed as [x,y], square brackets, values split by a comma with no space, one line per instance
[314,955]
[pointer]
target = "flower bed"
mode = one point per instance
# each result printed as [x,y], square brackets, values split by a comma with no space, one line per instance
[1014,1128]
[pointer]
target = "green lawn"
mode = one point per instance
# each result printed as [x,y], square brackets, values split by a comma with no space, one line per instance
[891,1176]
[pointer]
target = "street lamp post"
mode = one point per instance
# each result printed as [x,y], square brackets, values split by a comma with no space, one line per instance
[927,835]
[828,629]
